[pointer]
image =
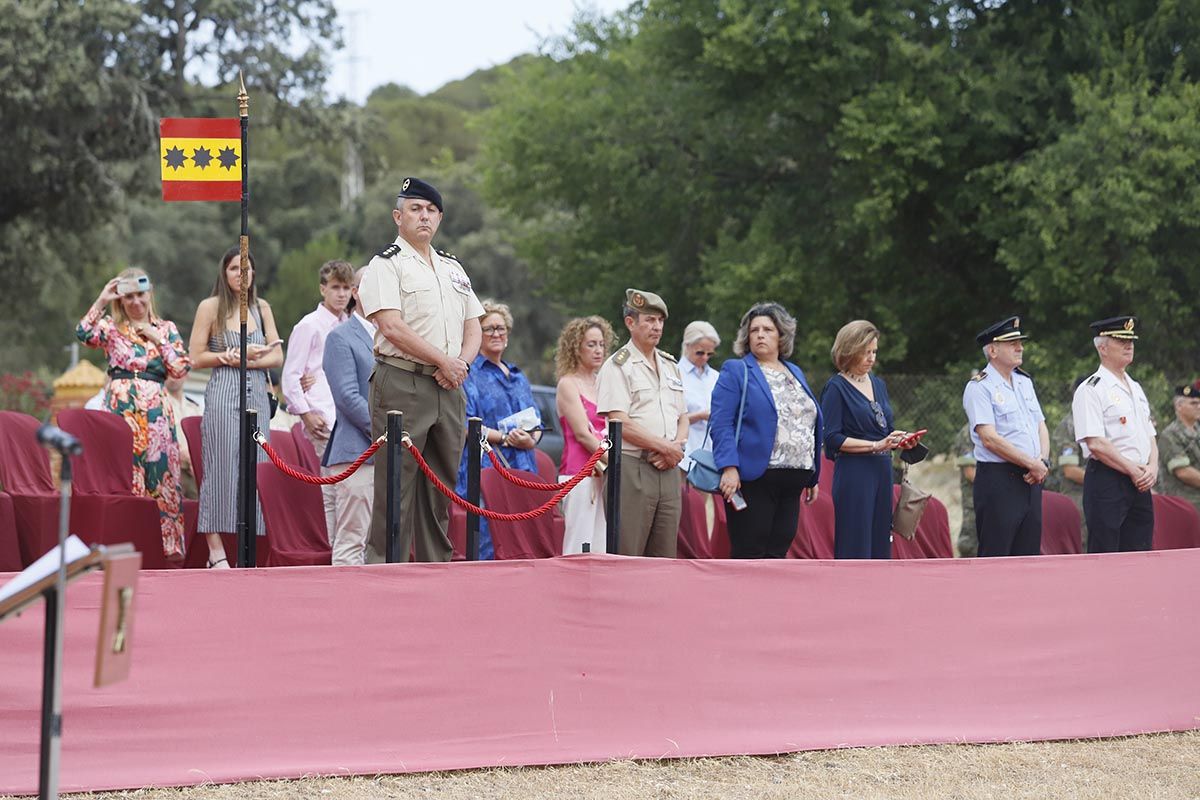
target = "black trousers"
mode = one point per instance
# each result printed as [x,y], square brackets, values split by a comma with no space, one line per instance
[1119,517]
[1008,511]
[767,526]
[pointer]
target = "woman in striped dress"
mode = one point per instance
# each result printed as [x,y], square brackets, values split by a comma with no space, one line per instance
[215,344]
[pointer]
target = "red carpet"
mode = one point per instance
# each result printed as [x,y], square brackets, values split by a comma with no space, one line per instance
[285,672]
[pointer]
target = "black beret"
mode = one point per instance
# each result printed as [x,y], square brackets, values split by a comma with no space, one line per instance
[417,189]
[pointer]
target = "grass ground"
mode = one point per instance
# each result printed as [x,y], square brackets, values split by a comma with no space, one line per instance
[1154,767]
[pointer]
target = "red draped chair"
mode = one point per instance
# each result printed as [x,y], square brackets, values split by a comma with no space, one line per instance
[285,447]
[10,547]
[695,538]
[814,528]
[1176,523]
[537,538]
[1061,528]
[546,468]
[105,470]
[305,451]
[192,432]
[458,533]
[295,520]
[932,539]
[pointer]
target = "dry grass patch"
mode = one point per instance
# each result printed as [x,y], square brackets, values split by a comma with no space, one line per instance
[1154,767]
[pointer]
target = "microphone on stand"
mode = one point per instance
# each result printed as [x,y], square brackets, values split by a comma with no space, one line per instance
[50,436]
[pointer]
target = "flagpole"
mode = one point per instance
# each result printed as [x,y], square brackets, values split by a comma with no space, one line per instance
[246,506]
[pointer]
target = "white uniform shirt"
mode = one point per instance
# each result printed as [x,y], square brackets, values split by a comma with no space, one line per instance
[1013,409]
[434,300]
[1106,406]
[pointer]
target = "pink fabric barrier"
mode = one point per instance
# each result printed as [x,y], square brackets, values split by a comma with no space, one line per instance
[588,658]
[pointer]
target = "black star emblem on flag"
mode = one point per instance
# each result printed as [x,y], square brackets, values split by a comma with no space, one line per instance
[201,157]
[227,157]
[174,158]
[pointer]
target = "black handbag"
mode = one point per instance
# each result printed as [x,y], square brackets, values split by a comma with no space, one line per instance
[702,472]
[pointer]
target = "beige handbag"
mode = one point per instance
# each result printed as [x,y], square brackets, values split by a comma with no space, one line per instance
[909,507]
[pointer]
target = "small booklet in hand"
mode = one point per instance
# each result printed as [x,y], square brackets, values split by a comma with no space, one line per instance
[527,419]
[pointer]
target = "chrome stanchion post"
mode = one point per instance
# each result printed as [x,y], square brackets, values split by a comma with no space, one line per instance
[474,465]
[395,430]
[613,495]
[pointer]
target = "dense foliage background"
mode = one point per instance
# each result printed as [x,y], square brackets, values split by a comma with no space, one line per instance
[927,164]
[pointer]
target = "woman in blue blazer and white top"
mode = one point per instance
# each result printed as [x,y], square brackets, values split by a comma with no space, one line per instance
[777,455]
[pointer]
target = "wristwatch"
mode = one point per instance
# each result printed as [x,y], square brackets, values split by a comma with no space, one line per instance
[1046,461]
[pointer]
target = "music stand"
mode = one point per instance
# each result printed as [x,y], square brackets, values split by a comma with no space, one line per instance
[41,579]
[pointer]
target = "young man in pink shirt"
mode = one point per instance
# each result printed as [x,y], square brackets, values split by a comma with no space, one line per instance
[305,351]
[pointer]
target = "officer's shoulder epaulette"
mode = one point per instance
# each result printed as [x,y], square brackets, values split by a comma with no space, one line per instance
[667,356]
[450,256]
[1020,371]
[621,356]
[389,251]
[982,374]
[1092,381]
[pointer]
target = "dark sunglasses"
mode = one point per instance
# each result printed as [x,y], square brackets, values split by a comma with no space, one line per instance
[709,353]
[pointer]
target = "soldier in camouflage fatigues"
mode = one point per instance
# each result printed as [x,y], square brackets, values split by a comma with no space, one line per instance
[1064,456]
[964,451]
[1179,448]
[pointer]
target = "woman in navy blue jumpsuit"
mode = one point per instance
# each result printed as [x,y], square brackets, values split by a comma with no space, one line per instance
[859,437]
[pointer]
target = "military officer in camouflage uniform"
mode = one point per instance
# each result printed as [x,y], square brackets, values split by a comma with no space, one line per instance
[641,387]
[1067,468]
[1179,447]
[964,450]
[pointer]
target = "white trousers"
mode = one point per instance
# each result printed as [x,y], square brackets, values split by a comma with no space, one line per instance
[583,512]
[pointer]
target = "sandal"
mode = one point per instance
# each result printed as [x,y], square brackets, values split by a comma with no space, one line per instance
[213,564]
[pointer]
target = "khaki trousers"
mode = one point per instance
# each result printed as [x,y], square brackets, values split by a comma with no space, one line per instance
[436,419]
[651,505]
[355,497]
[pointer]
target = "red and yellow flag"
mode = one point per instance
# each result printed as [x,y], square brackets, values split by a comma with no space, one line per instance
[201,159]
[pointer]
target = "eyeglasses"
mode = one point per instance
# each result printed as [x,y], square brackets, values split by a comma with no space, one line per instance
[495,330]
[704,353]
[879,417]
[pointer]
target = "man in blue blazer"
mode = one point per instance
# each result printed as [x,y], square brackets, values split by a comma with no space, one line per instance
[348,361]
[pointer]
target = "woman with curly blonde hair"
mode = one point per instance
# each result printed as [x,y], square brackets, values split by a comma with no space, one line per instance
[582,347]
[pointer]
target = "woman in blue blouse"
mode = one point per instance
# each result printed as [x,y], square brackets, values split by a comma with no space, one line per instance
[859,436]
[495,390]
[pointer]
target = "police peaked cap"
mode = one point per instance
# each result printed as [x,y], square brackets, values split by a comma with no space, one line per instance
[417,189]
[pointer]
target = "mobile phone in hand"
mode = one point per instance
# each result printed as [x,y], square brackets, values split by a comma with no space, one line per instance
[737,501]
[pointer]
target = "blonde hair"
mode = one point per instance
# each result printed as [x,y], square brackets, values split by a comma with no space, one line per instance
[492,307]
[566,357]
[118,311]
[851,342]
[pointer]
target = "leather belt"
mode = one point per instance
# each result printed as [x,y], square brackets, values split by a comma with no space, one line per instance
[406,365]
[157,377]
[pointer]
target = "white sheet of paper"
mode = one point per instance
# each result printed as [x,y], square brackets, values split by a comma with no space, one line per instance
[44,566]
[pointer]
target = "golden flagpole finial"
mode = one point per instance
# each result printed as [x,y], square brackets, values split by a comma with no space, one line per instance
[243,98]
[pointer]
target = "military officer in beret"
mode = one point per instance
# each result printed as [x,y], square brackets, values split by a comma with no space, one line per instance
[1012,446]
[1113,425]
[641,386]
[427,319]
[1179,447]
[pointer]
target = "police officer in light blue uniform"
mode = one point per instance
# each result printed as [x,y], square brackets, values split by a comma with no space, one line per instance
[1012,446]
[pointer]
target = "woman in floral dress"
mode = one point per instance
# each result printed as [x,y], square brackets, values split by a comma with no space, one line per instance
[143,349]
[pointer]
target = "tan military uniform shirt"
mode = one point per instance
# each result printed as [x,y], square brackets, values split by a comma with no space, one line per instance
[1179,447]
[434,300]
[627,382]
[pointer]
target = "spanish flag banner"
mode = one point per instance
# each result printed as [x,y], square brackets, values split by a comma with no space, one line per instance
[201,159]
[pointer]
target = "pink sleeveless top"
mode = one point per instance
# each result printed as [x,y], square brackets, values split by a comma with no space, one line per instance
[575,455]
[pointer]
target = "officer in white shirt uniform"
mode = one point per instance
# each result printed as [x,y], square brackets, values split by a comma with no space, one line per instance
[1012,446]
[1113,425]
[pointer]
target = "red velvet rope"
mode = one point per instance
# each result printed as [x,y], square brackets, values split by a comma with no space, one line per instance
[319,480]
[519,517]
[518,481]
